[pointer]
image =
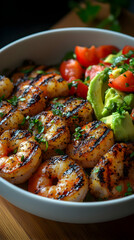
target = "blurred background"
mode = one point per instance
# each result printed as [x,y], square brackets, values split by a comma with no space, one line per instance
[21,18]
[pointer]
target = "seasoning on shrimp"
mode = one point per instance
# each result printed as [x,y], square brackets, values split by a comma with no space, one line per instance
[6,87]
[51,132]
[10,117]
[53,85]
[20,155]
[60,178]
[31,99]
[75,111]
[89,143]
[113,176]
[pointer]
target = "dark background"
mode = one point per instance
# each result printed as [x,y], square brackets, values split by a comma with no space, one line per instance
[21,18]
[24,17]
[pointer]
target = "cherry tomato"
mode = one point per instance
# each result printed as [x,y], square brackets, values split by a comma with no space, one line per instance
[86,56]
[91,72]
[127,48]
[71,68]
[132,114]
[82,90]
[104,50]
[124,83]
[78,88]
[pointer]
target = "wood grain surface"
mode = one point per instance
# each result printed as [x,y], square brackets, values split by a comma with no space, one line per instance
[16,224]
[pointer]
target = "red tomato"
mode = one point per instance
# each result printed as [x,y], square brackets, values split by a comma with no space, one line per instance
[86,56]
[126,49]
[71,68]
[91,72]
[82,90]
[124,83]
[132,114]
[104,50]
[78,88]
[72,89]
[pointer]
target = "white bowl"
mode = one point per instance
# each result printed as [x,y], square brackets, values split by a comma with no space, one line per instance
[48,48]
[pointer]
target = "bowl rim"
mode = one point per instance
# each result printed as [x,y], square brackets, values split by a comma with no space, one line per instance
[67,29]
[45,199]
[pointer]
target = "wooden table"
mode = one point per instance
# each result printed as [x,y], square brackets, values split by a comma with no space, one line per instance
[16,224]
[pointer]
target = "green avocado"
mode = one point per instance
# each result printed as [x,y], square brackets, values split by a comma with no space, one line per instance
[115,100]
[96,92]
[112,106]
[121,124]
[110,58]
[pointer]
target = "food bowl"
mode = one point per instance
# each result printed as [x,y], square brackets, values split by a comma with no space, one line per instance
[48,48]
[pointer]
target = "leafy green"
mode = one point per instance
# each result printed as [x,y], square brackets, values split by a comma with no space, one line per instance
[86,12]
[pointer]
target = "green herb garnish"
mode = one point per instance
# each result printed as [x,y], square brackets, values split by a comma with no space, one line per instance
[78,132]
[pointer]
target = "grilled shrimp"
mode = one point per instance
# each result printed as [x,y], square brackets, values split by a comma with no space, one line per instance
[6,87]
[113,176]
[10,117]
[51,132]
[23,71]
[20,155]
[60,178]
[31,99]
[76,111]
[53,85]
[90,143]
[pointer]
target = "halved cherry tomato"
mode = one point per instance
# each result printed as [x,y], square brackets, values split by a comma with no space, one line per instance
[91,72]
[82,90]
[78,88]
[86,56]
[132,114]
[104,50]
[127,48]
[124,83]
[71,68]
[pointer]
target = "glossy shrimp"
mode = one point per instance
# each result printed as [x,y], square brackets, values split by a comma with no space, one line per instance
[60,178]
[89,143]
[51,132]
[31,99]
[6,87]
[20,156]
[53,85]
[10,117]
[113,176]
[76,111]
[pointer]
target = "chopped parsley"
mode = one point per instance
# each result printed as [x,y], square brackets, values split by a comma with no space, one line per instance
[78,132]
[119,188]
[132,155]
[33,122]
[59,151]
[42,140]
[14,100]
[129,190]
[1,114]
[57,108]
[2,98]
[22,158]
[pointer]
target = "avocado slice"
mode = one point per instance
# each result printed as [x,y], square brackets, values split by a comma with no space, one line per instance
[111,57]
[115,99]
[122,125]
[96,92]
